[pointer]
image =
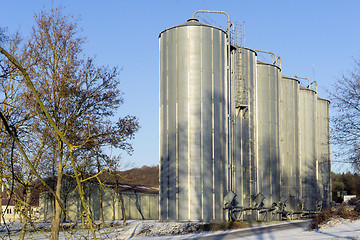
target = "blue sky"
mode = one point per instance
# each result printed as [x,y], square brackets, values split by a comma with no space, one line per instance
[308,35]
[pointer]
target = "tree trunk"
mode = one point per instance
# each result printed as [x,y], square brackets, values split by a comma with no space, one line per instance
[101,206]
[55,223]
[26,215]
[1,195]
[65,205]
[83,224]
[83,214]
[121,202]
[114,208]
[122,209]
[100,195]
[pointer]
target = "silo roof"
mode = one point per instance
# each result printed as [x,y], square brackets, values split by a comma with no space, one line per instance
[308,89]
[192,22]
[249,49]
[290,78]
[270,64]
[323,99]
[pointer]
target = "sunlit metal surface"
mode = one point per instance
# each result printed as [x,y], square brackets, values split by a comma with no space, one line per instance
[243,65]
[268,169]
[323,157]
[231,125]
[308,147]
[289,141]
[193,117]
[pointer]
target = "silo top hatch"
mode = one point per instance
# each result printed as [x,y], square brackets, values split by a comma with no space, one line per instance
[192,22]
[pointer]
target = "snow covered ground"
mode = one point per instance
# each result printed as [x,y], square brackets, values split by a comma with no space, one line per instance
[335,229]
[145,230]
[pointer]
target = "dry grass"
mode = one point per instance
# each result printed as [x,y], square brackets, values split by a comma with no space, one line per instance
[221,226]
[350,210]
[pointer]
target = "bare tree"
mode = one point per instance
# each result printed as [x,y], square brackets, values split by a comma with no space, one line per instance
[72,103]
[346,119]
[14,172]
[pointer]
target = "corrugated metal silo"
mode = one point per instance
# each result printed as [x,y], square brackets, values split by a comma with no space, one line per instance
[323,151]
[289,141]
[308,147]
[193,122]
[243,65]
[268,167]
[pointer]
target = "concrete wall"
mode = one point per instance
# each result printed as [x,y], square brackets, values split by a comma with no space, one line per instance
[137,205]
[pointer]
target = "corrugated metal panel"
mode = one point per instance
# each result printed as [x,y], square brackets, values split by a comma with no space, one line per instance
[289,141]
[308,147]
[163,147]
[192,122]
[274,141]
[268,174]
[244,147]
[323,151]
[183,124]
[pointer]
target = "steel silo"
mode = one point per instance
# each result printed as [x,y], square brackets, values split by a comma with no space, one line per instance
[323,150]
[193,122]
[308,147]
[243,65]
[267,111]
[289,141]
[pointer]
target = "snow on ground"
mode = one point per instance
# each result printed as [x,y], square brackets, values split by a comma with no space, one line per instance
[144,230]
[335,229]
[150,229]
[333,222]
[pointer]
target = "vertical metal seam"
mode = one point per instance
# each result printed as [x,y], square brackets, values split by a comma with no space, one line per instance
[248,191]
[329,153]
[160,132]
[226,154]
[300,145]
[177,130]
[167,126]
[269,163]
[233,81]
[241,178]
[188,130]
[316,147]
[202,129]
[278,135]
[249,119]
[212,124]
[257,125]
[281,136]
[317,142]
[222,160]
[250,111]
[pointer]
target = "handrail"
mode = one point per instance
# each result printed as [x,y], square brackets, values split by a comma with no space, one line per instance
[312,84]
[211,11]
[308,86]
[275,56]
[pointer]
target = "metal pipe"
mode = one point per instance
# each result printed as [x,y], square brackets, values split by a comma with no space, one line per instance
[211,11]
[233,33]
[305,79]
[275,56]
[312,84]
[279,58]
